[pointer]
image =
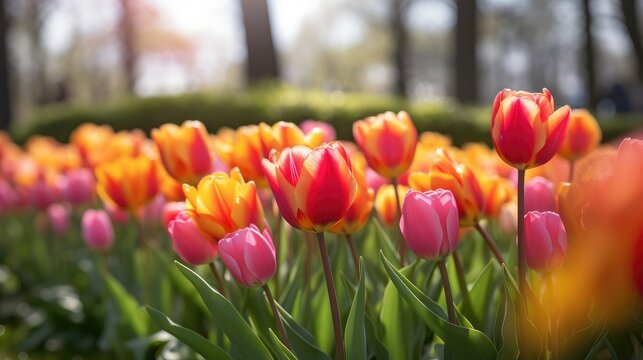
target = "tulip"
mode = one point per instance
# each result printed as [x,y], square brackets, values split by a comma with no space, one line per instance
[128,183]
[545,240]
[583,135]
[429,223]
[313,188]
[526,131]
[637,265]
[97,230]
[285,134]
[249,254]
[80,186]
[374,180]
[191,244]
[185,151]
[222,203]
[497,192]
[539,195]
[359,211]
[171,210]
[247,150]
[117,214]
[386,205]
[59,216]
[388,142]
[9,198]
[327,129]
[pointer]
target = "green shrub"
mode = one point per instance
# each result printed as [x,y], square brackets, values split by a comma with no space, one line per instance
[271,104]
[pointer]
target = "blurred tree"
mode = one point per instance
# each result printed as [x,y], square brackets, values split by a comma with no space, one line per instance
[5,95]
[261,60]
[127,36]
[36,14]
[400,45]
[589,54]
[466,64]
[629,9]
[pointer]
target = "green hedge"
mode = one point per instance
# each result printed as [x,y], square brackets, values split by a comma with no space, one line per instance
[271,104]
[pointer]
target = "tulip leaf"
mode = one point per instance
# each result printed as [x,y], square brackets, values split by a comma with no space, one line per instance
[481,293]
[190,338]
[462,342]
[179,281]
[246,344]
[284,353]
[129,308]
[355,333]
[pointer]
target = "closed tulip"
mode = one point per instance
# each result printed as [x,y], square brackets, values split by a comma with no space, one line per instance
[80,186]
[388,141]
[193,246]
[327,129]
[583,135]
[360,210]
[247,150]
[525,129]
[127,182]
[185,151]
[223,203]
[313,188]
[540,195]
[386,205]
[171,210]
[545,239]
[59,216]
[286,134]
[497,192]
[429,223]
[249,254]
[97,230]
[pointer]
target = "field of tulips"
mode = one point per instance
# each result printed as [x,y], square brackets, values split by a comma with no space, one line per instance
[282,242]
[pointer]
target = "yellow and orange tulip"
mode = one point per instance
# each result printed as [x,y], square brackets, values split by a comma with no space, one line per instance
[386,204]
[127,182]
[583,135]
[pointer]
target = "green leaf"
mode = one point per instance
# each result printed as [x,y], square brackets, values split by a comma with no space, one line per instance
[179,282]
[355,333]
[246,343]
[190,338]
[285,353]
[509,330]
[303,342]
[478,310]
[463,343]
[130,310]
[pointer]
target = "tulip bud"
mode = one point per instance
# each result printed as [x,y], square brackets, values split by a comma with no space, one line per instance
[191,244]
[583,135]
[250,256]
[80,186]
[59,218]
[539,195]
[374,180]
[430,223]
[545,240]
[171,210]
[97,230]
[327,129]
[386,203]
[388,141]
[525,129]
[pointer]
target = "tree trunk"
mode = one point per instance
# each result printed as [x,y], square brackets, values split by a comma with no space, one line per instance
[466,67]
[261,60]
[5,95]
[590,67]
[630,17]
[128,46]
[400,45]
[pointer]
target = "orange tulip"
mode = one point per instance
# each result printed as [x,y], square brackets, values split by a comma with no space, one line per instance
[285,134]
[386,204]
[313,188]
[128,183]
[360,209]
[463,183]
[186,151]
[583,135]
[222,203]
[525,129]
[247,151]
[388,142]
[496,192]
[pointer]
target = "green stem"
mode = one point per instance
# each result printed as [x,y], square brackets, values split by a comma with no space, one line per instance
[351,246]
[219,279]
[340,352]
[277,241]
[447,291]
[402,242]
[522,255]
[462,282]
[275,312]
[490,243]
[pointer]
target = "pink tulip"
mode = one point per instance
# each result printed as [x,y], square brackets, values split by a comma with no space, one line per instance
[171,210]
[539,195]
[430,223]
[375,180]
[97,230]
[327,129]
[59,218]
[117,214]
[249,255]
[545,240]
[191,244]
[80,186]
[9,198]
[152,212]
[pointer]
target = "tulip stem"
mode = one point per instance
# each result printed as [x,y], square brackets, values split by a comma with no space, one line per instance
[402,249]
[277,242]
[275,312]
[219,279]
[447,292]
[522,255]
[332,297]
[351,246]
[571,170]
[490,243]
[462,281]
